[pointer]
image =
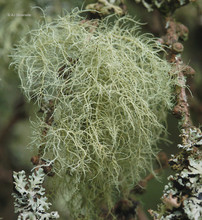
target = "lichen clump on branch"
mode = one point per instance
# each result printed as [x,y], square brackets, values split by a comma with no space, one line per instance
[104,93]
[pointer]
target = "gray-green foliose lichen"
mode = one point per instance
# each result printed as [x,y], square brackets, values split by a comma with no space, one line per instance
[109,93]
[164,6]
[104,8]
[183,194]
[30,202]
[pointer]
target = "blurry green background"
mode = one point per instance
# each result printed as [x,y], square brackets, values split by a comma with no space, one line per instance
[16,112]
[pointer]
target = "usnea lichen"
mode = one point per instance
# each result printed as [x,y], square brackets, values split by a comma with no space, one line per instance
[104,93]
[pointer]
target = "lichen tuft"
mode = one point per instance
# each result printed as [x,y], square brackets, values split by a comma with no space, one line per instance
[104,93]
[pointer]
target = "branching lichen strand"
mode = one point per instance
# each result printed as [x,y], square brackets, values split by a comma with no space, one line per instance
[111,93]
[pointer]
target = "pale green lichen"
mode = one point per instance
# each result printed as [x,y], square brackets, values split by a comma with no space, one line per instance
[183,194]
[164,6]
[30,202]
[104,8]
[109,93]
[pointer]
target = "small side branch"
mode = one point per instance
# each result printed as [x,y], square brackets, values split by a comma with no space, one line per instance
[182,195]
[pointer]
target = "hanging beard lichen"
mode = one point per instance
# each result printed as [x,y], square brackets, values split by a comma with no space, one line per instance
[105,94]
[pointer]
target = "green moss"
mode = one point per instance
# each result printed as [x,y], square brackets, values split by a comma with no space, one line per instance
[110,93]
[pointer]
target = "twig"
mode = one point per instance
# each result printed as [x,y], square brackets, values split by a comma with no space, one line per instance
[180,197]
[142,185]
[175,33]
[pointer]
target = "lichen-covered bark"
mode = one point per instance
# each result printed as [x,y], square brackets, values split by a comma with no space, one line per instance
[166,7]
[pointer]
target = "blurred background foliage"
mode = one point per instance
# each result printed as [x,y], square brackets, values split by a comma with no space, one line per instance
[16,113]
